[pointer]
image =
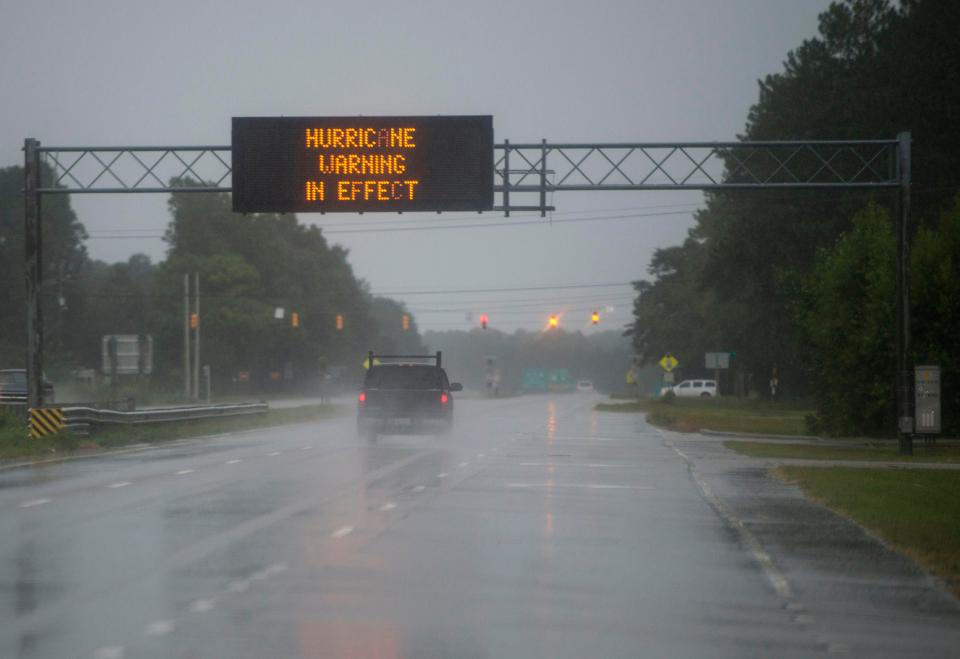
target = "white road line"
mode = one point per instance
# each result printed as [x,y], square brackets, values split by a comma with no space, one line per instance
[110,652]
[306,448]
[273,454]
[184,472]
[480,455]
[114,486]
[776,578]
[389,505]
[442,474]
[201,605]
[234,461]
[342,532]
[159,628]
[34,502]
[419,488]
[595,465]
[239,586]
[584,486]
[464,464]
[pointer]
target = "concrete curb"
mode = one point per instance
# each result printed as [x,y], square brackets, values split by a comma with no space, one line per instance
[753,435]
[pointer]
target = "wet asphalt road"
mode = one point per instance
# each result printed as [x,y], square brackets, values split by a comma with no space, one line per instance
[539,529]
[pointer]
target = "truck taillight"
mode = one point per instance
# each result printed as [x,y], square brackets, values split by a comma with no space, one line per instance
[444,398]
[362,397]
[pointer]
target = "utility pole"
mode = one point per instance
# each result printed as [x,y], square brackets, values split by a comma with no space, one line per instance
[196,337]
[904,365]
[186,335]
[33,244]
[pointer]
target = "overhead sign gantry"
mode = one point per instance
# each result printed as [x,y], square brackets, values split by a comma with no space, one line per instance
[330,164]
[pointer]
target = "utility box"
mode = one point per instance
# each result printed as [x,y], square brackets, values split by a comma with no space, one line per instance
[926,392]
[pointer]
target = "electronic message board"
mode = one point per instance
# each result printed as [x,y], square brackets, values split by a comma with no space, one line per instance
[362,164]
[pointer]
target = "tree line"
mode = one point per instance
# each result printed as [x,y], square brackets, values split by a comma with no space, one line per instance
[801,284]
[248,265]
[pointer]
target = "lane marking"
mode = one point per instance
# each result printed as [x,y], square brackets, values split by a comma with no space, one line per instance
[269,571]
[776,578]
[479,455]
[342,532]
[239,586]
[273,454]
[306,448]
[202,605]
[584,486]
[159,628]
[596,465]
[234,461]
[114,486]
[419,488]
[184,472]
[34,502]
[442,474]
[389,505]
[110,652]
[464,464]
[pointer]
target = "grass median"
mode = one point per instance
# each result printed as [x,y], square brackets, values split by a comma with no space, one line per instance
[723,414]
[870,452]
[15,444]
[915,510]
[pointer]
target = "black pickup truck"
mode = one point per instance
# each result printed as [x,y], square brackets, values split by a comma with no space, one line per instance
[405,392]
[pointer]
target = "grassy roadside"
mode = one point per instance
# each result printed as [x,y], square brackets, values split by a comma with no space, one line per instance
[885,452]
[724,414]
[14,442]
[915,510]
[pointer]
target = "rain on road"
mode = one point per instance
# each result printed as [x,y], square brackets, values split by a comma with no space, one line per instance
[540,528]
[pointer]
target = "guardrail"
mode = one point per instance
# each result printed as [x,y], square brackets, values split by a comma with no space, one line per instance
[81,419]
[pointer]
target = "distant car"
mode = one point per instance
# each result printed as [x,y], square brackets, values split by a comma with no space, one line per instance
[584,385]
[694,389]
[409,395]
[13,387]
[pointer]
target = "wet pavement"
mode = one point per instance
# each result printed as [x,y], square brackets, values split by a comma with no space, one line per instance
[538,529]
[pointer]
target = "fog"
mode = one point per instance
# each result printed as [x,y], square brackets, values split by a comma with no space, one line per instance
[107,73]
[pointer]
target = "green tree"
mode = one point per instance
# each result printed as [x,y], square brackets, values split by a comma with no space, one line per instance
[849,329]
[249,265]
[64,256]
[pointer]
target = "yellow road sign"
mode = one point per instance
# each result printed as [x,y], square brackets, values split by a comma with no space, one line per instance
[366,362]
[45,421]
[668,362]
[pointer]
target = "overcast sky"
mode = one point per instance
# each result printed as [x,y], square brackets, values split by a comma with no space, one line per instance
[174,73]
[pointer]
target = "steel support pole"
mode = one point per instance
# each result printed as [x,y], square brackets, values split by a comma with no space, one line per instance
[506,178]
[186,335]
[543,178]
[905,424]
[33,243]
[196,337]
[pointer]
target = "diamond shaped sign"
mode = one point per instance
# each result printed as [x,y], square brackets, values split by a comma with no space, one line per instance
[668,362]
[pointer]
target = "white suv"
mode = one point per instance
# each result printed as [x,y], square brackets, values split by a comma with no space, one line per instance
[696,389]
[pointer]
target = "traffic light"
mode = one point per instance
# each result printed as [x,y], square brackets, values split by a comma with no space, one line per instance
[595,317]
[554,321]
[484,320]
[339,322]
[294,319]
[406,322]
